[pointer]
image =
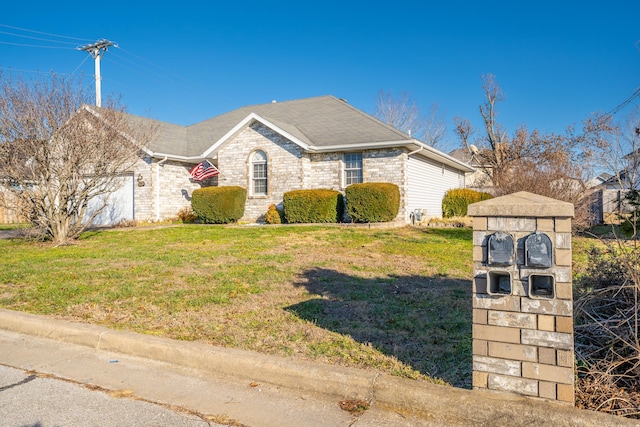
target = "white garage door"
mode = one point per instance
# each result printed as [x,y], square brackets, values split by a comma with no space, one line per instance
[119,205]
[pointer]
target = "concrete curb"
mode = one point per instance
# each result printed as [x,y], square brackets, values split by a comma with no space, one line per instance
[441,404]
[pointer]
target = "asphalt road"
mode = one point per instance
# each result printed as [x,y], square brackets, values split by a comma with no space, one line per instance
[29,400]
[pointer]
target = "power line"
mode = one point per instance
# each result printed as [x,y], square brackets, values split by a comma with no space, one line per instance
[137,65]
[33,45]
[137,68]
[34,38]
[83,61]
[38,46]
[40,32]
[624,103]
[164,73]
[33,71]
[151,63]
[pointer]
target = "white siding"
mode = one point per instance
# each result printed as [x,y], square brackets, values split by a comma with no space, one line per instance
[428,182]
[119,205]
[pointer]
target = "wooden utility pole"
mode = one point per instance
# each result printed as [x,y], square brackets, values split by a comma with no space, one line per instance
[96,50]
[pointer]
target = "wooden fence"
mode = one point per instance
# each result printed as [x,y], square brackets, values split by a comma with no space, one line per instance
[10,212]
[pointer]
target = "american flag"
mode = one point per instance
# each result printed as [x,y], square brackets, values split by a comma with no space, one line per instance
[203,171]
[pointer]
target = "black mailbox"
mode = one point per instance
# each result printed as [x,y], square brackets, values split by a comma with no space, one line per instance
[500,249]
[538,251]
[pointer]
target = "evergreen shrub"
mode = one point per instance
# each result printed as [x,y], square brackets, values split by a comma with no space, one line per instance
[373,202]
[219,205]
[273,215]
[313,206]
[457,200]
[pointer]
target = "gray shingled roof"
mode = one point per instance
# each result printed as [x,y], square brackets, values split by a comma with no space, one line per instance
[319,122]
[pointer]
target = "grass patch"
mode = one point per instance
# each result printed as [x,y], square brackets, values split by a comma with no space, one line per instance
[394,300]
[13,226]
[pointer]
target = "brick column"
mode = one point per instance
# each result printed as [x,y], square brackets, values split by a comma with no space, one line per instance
[523,338]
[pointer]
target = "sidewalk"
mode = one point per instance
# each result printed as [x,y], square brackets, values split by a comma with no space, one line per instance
[255,390]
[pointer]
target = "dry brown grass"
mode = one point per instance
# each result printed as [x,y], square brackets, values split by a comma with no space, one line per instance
[395,300]
[607,315]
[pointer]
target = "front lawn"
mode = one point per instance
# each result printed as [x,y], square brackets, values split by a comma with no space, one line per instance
[394,300]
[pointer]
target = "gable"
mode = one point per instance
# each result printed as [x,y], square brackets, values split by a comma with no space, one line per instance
[248,121]
[318,122]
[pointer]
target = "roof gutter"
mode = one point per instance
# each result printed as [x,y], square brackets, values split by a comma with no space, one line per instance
[188,159]
[438,155]
[355,147]
[424,149]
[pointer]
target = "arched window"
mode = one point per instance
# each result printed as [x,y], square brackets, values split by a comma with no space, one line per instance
[259,173]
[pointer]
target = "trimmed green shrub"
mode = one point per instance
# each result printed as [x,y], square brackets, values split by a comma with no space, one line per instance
[219,205]
[373,202]
[457,200]
[273,215]
[313,206]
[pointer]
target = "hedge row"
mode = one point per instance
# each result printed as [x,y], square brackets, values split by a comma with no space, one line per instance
[367,202]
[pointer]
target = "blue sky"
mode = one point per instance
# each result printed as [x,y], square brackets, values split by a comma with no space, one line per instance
[184,62]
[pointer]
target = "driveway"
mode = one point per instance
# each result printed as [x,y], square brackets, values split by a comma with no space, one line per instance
[10,234]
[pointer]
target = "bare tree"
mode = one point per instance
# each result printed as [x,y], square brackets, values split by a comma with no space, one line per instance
[57,154]
[615,146]
[546,164]
[403,113]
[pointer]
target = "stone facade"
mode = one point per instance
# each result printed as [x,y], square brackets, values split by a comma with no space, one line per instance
[523,343]
[284,167]
[290,168]
[163,188]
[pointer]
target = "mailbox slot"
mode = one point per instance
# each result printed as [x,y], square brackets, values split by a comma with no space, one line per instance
[499,283]
[542,286]
[500,249]
[538,252]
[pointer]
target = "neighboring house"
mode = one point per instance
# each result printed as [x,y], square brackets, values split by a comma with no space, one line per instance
[608,197]
[270,149]
[608,193]
[599,180]
[478,179]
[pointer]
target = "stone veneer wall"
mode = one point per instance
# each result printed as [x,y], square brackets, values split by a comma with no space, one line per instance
[143,195]
[167,189]
[284,168]
[520,344]
[387,165]
[289,168]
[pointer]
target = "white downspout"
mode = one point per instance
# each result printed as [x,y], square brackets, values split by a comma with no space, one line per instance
[416,151]
[157,195]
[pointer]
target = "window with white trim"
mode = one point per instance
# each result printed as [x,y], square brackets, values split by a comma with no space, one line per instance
[352,168]
[259,173]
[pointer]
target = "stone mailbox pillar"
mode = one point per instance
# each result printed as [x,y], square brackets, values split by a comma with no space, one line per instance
[522,296]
